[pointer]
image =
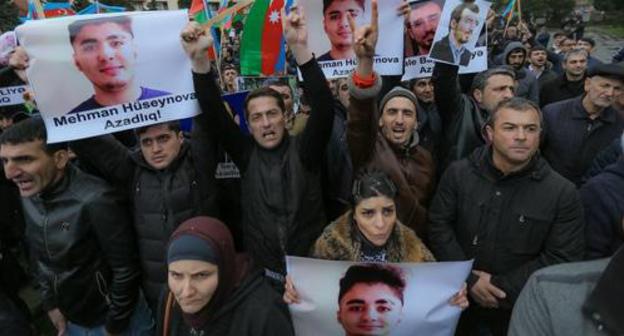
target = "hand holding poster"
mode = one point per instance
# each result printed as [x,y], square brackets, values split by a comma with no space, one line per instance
[331,38]
[118,71]
[406,298]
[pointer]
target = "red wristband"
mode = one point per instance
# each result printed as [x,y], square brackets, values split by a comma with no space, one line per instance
[364,82]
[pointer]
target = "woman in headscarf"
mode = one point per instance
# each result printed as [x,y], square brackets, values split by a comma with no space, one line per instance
[371,232]
[213,291]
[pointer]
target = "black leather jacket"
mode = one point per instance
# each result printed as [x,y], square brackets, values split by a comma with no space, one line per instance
[84,251]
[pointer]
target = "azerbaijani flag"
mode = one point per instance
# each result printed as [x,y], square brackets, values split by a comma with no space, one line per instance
[200,13]
[262,45]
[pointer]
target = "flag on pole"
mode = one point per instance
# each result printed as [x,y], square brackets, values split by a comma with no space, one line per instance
[200,12]
[262,45]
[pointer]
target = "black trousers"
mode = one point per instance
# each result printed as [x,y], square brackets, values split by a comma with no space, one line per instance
[478,321]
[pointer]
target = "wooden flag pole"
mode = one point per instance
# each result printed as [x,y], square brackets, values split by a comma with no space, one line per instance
[172,4]
[39,9]
[220,16]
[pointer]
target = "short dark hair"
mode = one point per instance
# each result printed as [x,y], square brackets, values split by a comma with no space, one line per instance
[28,130]
[589,40]
[229,67]
[481,79]
[516,104]
[457,11]
[559,33]
[372,274]
[277,82]
[171,125]
[264,92]
[124,21]
[327,3]
[371,182]
[537,47]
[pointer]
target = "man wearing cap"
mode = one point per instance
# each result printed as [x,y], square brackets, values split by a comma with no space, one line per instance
[388,142]
[578,128]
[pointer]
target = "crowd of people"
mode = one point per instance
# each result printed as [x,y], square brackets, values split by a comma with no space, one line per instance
[517,167]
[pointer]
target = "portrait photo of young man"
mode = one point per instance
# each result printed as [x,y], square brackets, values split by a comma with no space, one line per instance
[370,300]
[337,29]
[104,51]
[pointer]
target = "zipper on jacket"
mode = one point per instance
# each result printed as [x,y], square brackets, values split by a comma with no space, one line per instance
[45,238]
[475,240]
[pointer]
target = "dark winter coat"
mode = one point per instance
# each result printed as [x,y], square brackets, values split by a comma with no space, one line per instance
[572,139]
[603,199]
[255,309]
[84,251]
[410,167]
[510,224]
[462,119]
[560,88]
[161,199]
[281,187]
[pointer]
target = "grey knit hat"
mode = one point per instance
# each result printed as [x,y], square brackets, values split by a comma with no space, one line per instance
[398,91]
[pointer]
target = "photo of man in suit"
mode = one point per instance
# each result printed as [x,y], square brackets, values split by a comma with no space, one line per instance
[452,48]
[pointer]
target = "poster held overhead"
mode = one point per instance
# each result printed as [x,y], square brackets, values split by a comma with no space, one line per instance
[118,71]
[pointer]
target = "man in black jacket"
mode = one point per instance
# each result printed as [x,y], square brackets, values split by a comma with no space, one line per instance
[281,194]
[570,83]
[463,116]
[79,235]
[508,210]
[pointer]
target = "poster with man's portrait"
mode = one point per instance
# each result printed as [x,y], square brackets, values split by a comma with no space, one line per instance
[103,73]
[347,298]
[459,29]
[331,40]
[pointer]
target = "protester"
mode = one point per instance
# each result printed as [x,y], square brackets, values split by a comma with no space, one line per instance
[284,89]
[370,231]
[429,123]
[508,210]
[569,84]
[540,66]
[388,142]
[213,291]
[575,299]
[577,129]
[464,116]
[230,74]
[79,236]
[281,188]
[603,200]
[588,44]
[515,56]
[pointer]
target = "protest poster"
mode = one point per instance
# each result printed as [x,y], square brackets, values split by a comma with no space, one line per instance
[330,37]
[460,27]
[12,95]
[422,66]
[408,298]
[103,73]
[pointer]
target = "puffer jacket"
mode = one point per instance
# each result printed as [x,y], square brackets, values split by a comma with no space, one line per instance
[410,167]
[84,251]
[161,199]
[510,224]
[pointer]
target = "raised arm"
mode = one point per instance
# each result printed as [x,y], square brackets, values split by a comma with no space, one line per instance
[448,96]
[364,87]
[314,138]
[108,156]
[214,118]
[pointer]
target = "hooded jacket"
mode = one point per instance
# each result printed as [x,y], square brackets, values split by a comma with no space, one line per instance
[410,166]
[337,242]
[603,200]
[161,199]
[510,224]
[528,86]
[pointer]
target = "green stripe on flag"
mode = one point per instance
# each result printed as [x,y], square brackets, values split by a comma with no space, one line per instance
[201,17]
[251,44]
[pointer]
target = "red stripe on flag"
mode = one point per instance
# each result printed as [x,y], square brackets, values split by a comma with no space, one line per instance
[272,37]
